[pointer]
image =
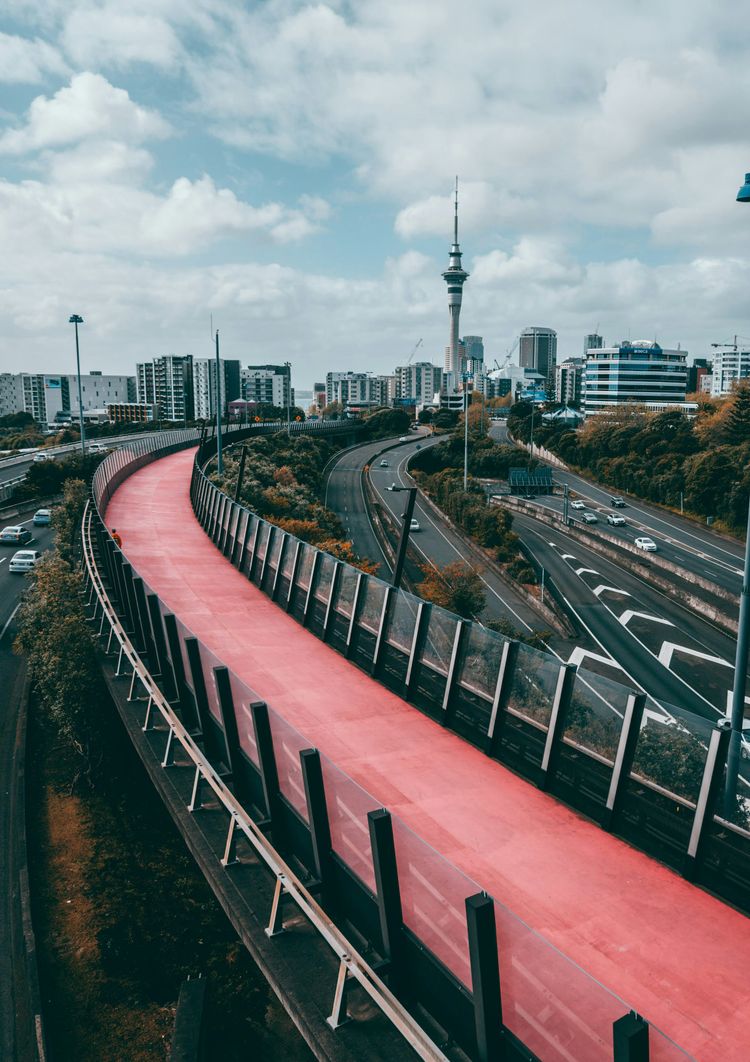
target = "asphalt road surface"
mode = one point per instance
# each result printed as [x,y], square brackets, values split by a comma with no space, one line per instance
[16,1016]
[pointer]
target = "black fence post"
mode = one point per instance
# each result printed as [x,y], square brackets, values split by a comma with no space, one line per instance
[630,1038]
[335,579]
[188,711]
[267,759]
[626,746]
[201,697]
[713,773]
[137,634]
[293,576]
[116,592]
[419,637]
[122,593]
[485,977]
[558,718]
[231,734]
[387,887]
[317,813]
[240,474]
[280,564]
[273,531]
[450,682]
[385,615]
[353,619]
[503,687]
[310,596]
[145,623]
[160,646]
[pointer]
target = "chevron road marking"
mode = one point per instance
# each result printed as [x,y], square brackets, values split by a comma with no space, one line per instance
[668,648]
[581,571]
[627,616]
[579,655]
[612,590]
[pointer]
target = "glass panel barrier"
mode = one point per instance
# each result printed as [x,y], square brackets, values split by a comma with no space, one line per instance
[184,632]
[326,564]
[534,684]
[262,546]
[210,661]
[241,528]
[403,620]
[433,895]
[480,660]
[372,604]
[289,553]
[305,565]
[441,635]
[348,805]
[346,589]
[596,713]
[672,750]
[242,698]
[273,556]
[287,745]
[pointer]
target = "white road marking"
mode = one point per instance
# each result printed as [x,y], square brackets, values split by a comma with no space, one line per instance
[9,619]
[627,616]
[610,589]
[579,655]
[668,649]
[590,571]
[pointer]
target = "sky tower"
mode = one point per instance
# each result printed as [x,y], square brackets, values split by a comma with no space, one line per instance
[454,277]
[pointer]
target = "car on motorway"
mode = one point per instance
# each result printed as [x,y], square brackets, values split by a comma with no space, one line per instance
[577,505]
[590,518]
[25,560]
[15,535]
[41,456]
[615,520]
[646,543]
[42,517]
[384,463]
[618,502]
[97,448]
[414,525]
[404,438]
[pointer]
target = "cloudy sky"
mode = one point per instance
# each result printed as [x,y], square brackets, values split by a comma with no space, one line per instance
[287,167]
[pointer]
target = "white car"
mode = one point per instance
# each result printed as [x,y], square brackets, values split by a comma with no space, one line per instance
[404,438]
[24,561]
[615,520]
[41,456]
[646,543]
[384,463]
[414,525]
[577,505]
[590,518]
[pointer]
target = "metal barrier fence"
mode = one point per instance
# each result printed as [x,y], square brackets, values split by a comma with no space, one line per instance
[571,731]
[447,947]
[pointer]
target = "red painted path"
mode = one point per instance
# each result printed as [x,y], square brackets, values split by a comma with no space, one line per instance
[678,956]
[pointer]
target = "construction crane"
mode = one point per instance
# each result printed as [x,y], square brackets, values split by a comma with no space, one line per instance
[511,351]
[417,345]
[734,345]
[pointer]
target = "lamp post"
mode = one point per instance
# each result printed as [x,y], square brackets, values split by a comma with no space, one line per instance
[740,660]
[404,540]
[288,397]
[219,454]
[75,319]
[466,376]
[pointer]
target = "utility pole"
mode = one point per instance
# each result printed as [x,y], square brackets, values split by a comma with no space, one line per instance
[76,319]
[466,377]
[740,682]
[288,397]
[219,455]
[565,504]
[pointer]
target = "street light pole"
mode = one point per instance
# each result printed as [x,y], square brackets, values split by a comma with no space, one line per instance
[466,377]
[219,454]
[743,641]
[406,527]
[288,397]
[75,319]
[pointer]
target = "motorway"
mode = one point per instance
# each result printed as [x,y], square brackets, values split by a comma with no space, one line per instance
[16,1010]
[681,541]
[436,543]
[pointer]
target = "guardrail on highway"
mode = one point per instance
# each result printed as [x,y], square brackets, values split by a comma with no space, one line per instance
[430,925]
[571,731]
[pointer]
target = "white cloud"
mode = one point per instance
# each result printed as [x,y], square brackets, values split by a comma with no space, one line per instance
[26,61]
[110,35]
[88,107]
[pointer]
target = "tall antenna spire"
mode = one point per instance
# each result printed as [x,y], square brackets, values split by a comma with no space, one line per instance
[455,216]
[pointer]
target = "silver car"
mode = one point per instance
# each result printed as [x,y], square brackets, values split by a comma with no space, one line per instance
[25,560]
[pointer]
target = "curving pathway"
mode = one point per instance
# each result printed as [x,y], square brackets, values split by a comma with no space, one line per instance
[676,954]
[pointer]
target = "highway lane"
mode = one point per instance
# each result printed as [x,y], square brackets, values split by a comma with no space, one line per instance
[16,1009]
[438,545]
[695,548]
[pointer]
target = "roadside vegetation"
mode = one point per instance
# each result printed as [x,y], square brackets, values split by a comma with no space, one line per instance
[282,484]
[661,457]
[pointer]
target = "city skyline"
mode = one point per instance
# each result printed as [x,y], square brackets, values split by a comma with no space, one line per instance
[148,182]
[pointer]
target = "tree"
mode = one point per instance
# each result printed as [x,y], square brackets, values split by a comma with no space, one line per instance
[457,587]
[333,411]
[739,416]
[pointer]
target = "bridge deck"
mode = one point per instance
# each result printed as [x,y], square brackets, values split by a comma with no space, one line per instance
[674,953]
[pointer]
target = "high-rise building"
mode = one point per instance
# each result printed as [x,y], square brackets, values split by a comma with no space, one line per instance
[731,364]
[99,390]
[420,381]
[473,354]
[45,396]
[593,341]
[358,389]
[267,385]
[569,380]
[204,385]
[11,393]
[167,382]
[455,276]
[641,372]
[537,350]
[701,367]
